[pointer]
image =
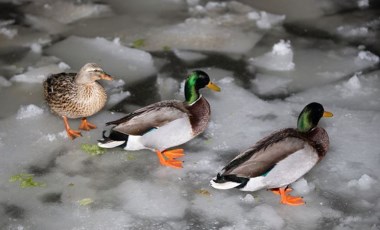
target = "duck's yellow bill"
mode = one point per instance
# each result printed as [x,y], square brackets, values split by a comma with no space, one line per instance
[327,114]
[213,86]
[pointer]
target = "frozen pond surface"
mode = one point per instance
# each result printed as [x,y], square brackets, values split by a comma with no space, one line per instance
[270,59]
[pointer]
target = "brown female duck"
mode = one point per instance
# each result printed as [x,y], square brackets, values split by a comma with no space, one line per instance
[72,95]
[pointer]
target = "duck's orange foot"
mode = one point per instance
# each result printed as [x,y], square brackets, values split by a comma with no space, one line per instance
[288,199]
[174,153]
[85,125]
[72,134]
[170,162]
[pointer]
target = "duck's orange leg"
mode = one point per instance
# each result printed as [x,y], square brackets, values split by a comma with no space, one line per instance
[171,162]
[288,199]
[72,134]
[85,125]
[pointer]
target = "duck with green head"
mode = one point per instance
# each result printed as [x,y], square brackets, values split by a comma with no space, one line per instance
[279,159]
[164,124]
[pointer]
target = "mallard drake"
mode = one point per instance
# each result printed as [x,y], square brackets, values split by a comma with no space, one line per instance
[76,95]
[279,159]
[164,124]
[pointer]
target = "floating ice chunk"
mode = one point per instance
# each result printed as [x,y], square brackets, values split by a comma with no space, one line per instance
[8,33]
[202,35]
[253,15]
[167,87]
[348,31]
[353,83]
[122,62]
[162,197]
[188,56]
[38,75]
[365,182]
[367,56]
[192,2]
[215,6]
[36,48]
[63,66]
[29,111]
[353,87]
[44,24]
[268,20]
[4,82]
[67,11]
[116,98]
[248,199]
[302,187]
[363,4]
[279,59]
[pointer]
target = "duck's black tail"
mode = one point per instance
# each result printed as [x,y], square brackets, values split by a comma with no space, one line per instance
[113,140]
[228,181]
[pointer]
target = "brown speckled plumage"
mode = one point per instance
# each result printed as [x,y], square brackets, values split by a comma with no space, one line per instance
[68,98]
[72,95]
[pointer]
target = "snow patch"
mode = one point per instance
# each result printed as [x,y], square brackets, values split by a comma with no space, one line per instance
[302,187]
[115,98]
[279,59]
[248,199]
[38,75]
[8,33]
[348,31]
[367,56]
[268,20]
[36,48]
[363,4]
[365,182]
[28,111]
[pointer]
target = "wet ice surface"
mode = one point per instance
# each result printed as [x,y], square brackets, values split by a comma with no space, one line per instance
[269,64]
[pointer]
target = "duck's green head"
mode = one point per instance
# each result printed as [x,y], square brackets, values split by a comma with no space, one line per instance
[196,81]
[310,116]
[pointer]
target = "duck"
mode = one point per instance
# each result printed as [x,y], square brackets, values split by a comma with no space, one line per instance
[279,159]
[76,95]
[164,124]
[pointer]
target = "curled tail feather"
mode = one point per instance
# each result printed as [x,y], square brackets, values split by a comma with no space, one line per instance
[113,140]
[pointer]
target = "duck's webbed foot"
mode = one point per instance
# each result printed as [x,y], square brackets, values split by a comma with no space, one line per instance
[71,133]
[288,199]
[168,158]
[85,125]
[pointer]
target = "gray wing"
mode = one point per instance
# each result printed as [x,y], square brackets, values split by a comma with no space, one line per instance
[150,117]
[263,156]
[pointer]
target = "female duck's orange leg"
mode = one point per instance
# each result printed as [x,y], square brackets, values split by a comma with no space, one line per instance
[72,134]
[85,125]
[171,162]
[288,199]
